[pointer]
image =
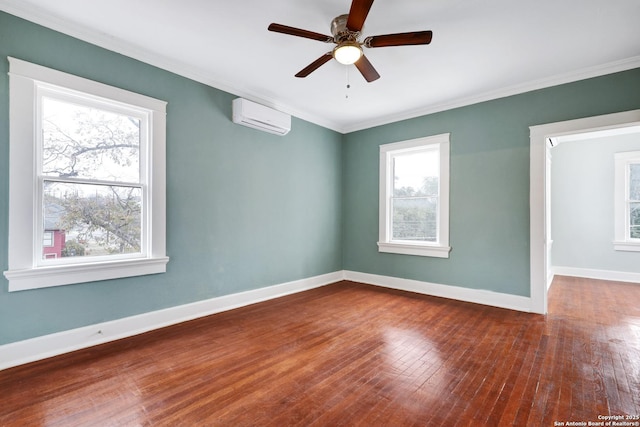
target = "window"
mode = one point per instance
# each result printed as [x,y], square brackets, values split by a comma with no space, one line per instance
[47,239]
[92,204]
[627,201]
[414,197]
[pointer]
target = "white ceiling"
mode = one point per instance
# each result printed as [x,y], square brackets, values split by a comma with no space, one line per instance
[480,50]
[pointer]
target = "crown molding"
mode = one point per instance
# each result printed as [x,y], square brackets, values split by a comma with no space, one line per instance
[573,76]
[123,47]
[89,35]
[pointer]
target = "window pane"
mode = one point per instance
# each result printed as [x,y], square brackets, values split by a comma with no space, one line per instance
[85,142]
[634,181]
[415,219]
[634,217]
[92,220]
[416,174]
[47,239]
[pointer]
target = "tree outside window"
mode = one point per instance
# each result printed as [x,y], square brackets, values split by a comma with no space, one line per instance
[84,150]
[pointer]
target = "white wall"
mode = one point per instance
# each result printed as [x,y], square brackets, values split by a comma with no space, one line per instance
[582,227]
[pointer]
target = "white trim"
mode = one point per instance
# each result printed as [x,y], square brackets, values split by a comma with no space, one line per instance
[537,188]
[478,296]
[626,246]
[585,136]
[44,277]
[21,352]
[409,249]
[555,80]
[25,272]
[440,248]
[590,273]
[31,350]
[92,36]
[622,220]
[180,68]
[39,73]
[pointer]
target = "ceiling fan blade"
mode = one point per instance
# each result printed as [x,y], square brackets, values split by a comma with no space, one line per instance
[400,39]
[315,65]
[366,69]
[358,13]
[285,29]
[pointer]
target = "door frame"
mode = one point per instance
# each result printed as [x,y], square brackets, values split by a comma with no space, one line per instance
[541,137]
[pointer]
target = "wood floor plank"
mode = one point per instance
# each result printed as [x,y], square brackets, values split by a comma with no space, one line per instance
[355,355]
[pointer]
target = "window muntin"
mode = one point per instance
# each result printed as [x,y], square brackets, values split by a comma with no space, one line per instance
[123,175]
[414,197]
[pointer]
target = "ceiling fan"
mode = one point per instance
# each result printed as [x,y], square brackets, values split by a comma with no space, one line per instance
[345,30]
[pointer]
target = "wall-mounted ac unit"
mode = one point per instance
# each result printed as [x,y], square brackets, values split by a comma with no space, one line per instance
[258,116]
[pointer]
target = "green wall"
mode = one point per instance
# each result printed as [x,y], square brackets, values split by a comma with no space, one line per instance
[245,209]
[489,199]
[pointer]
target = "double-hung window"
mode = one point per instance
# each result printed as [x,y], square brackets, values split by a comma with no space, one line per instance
[87,180]
[414,197]
[627,201]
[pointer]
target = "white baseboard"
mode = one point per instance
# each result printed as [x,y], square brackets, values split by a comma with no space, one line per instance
[551,273]
[590,273]
[478,296]
[30,350]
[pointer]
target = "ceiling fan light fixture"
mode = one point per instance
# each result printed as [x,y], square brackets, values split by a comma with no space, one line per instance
[347,53]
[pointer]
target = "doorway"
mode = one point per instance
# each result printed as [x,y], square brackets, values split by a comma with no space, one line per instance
[541,139]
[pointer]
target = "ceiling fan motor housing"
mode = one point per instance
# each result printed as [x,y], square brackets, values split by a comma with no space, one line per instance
[340,31]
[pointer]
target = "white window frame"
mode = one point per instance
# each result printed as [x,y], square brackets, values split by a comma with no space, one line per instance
[27,270]
[440,248]
[623,241]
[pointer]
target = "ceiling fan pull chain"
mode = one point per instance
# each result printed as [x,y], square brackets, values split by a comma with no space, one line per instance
[348,84]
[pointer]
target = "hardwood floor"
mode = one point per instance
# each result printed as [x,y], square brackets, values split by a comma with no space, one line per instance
[350,354]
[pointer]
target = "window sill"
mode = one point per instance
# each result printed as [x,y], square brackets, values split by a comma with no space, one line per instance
[413,249]
[44,277]
[626,246]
